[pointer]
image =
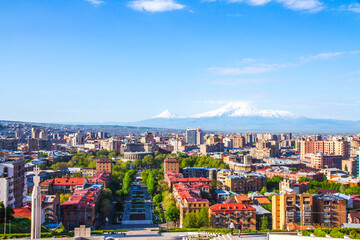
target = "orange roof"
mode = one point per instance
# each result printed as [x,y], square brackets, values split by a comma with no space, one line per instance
[294,226]
[263,200]
[241,198]
[223,207]
[22,212]
[69,181]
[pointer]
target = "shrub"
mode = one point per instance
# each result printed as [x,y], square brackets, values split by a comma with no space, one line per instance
[319,233]
[335,233]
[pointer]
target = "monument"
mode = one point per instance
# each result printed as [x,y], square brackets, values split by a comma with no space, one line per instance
[36,207]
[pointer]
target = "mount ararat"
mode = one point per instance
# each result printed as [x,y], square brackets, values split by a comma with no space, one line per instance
[240,116]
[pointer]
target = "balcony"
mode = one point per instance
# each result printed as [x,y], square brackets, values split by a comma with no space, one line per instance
[291,214]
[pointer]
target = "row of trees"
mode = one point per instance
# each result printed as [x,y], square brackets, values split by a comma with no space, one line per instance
[199,161]
[315,185]
[150,161]
[192,220]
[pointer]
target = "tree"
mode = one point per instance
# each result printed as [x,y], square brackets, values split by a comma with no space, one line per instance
[264,223]
[9,213]
[157,199]
[311,191]
[172,214]
[263,191]
[346,168]
[168,200]
[148,160]
[190,221]
[268,206]
[162,186]
[151,184]
[126,183]
[64,197]
[231,196]
[203,217]
[105,207]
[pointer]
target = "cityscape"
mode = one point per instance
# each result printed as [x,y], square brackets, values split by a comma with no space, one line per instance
[179,119]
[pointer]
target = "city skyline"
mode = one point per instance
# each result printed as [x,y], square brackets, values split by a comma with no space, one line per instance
[98,61]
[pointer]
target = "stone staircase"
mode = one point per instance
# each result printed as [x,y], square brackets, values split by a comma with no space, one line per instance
[226,237]
[212,236]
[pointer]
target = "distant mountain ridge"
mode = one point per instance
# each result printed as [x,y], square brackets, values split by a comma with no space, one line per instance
[240,116]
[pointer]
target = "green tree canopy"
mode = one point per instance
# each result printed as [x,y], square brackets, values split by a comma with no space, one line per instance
[172,214]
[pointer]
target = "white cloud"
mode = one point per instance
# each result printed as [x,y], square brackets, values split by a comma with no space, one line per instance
[353,7]
[155,5]
[303,5]
[251,2]
[326,56]
[297,5]
[95,2]
[238,81]
[255,69]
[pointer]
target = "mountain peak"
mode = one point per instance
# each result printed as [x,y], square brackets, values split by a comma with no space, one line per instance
[244,109]
[166,114]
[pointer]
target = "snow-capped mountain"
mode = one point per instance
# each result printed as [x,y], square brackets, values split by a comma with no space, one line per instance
[242,109]
[165,114]
[241,116]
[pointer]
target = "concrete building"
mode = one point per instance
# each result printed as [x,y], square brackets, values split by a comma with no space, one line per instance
[216,147]
[245,183]
[291,208]
[351,166]
[325,147]
[330,210]
[12,182]
[321,161]
[194,136]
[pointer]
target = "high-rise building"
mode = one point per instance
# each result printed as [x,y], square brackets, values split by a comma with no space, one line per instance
[194,136]
[325,147]
[330,210]
[35,132]
[12,182]
[291,208]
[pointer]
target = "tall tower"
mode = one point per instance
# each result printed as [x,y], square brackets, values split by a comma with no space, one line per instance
[36,207]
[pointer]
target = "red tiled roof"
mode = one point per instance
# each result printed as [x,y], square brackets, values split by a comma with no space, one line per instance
[22,212]
[173,160]
[104,160]
[196,200]
[191,180]
[73,181]
[231,207]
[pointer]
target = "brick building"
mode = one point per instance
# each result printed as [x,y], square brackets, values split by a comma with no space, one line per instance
[221,215]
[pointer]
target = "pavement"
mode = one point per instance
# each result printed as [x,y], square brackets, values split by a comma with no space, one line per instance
[147,234]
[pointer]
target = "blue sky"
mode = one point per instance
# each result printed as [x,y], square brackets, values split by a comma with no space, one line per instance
[122,60]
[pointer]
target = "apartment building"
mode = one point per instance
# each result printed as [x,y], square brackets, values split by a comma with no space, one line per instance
[104,164]
[171,165]
[244,183]
[221,215]
[62,185]
[330,210]
[291,208]
[12,182]
[326,147]
[287,173]
[188,197]
[80,208]
[321,161]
